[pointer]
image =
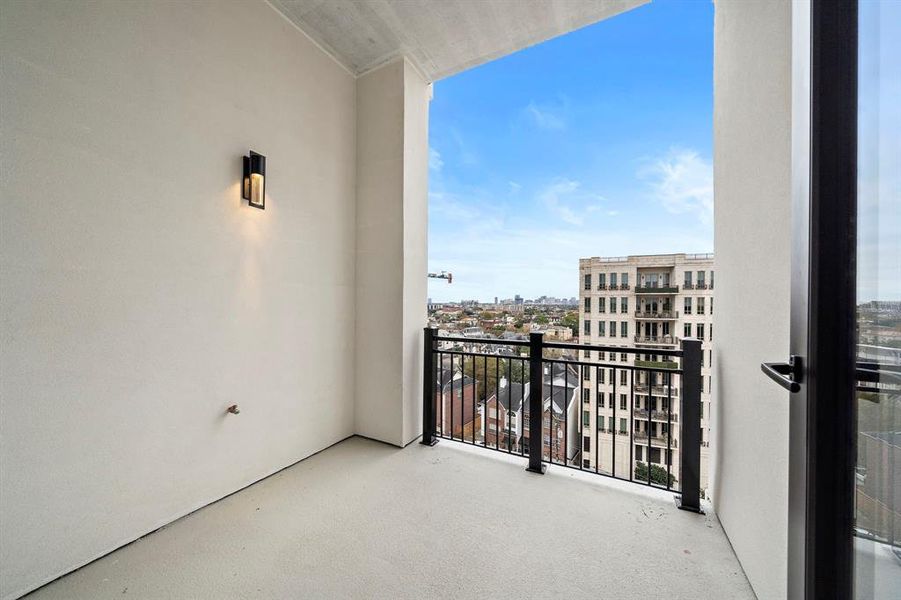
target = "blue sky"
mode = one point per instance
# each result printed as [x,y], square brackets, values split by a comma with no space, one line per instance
[596,143]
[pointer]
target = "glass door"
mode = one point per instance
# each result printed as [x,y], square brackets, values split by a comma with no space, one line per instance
[844,371]
[877,472]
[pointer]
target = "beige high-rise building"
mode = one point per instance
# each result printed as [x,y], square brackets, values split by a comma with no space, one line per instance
[650,303]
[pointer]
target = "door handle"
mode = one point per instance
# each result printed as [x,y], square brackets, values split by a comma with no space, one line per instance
[788,375]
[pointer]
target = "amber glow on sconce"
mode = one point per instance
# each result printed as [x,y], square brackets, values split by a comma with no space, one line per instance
[254,187]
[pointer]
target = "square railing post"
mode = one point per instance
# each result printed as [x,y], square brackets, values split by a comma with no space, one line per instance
[536,404]
[428,387]
[690,427]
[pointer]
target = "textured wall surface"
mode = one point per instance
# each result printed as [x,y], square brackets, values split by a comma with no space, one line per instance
[140,295]
[752,190]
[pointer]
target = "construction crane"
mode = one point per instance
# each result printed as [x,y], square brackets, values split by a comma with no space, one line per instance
[442,275]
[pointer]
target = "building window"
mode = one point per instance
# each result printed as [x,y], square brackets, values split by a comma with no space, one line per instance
[586,418]
[711,332]
[586,464]
[600,423]
[622,426]
[687,330]
[588,281]
[612,328]
[700,279]
[711,287]
[602,281]
[601,398]
[586,442]
[602,305]
[638,450]
[688,279]
[624,329]
[623,357]
[612,305]
[586,395]
[700,306]
[587,327]
[623,402]
[586,373]
[601,375]
[588,305]
[602,328]
[711,300]
[624,279]
[623,377]
[612,280]
[688,306]
[700,327]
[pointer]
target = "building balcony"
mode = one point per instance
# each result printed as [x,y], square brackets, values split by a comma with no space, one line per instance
[656,339]
[659,440]
[657,364]
[656,390]
[667,290]
[656,415]
[646,315]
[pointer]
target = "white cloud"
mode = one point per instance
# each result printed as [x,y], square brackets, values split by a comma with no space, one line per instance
[565,198]
[514,187]
[435,162]
[554,197]
[682,182]
[550,118]
[465,154]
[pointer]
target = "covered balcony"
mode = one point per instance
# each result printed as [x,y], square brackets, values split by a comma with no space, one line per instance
[215,380]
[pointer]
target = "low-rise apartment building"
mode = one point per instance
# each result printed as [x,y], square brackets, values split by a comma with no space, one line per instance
[651,303]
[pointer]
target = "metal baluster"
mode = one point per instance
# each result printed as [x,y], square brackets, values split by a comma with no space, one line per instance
[632,424]
[613,433]
[648,403]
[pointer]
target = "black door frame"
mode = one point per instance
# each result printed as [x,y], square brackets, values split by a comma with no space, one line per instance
[822,442]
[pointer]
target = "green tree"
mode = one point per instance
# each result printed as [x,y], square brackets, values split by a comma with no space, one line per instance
[475,366]
[541,319]
[571,320]
[658,474]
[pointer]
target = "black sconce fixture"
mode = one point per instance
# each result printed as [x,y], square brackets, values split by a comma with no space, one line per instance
[255,180]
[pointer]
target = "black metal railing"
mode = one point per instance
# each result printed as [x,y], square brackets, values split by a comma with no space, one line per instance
[526,398]
[653,289]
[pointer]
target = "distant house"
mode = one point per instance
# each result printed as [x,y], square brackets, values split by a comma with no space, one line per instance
[505,415]
[457,399]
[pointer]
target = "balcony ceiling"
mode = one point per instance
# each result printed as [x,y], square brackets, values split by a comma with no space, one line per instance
[441,37]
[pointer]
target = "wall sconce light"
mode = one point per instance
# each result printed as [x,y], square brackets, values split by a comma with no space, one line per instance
[255,180]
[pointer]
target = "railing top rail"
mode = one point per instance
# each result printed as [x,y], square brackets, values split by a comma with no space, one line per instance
[569,346]
[476,340]
[557,345]
[604,365]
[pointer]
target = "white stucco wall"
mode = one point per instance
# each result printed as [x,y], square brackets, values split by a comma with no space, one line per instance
[392,251]
[140,295]
[752,188]
[378,408]
[417,94]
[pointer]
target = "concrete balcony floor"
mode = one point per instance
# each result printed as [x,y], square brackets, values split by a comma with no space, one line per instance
[366,520]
